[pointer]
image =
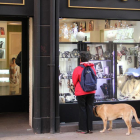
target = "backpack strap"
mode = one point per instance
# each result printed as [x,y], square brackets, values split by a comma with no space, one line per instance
[82,66]
[90,69]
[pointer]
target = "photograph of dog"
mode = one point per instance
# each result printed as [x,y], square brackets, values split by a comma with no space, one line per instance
[110,112]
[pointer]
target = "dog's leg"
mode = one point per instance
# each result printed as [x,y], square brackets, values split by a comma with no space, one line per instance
[128,123]
[110,125]
[105,124]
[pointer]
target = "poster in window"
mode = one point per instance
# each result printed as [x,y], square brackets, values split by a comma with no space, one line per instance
[99,50]
[81,26]
[107,24]
[2,32]
[91,25]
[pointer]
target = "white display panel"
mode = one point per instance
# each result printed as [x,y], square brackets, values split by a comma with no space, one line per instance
[3,43]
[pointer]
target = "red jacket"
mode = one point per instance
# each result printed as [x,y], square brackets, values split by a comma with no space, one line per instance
[76,77]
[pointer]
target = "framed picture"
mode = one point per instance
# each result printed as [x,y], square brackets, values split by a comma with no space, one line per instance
[88,49]
[14,2]
[91,26]
[99,69]
[107,24]
[81,26]
[2,42]
[120,23]
[98,66]
[99,50]
[2,32]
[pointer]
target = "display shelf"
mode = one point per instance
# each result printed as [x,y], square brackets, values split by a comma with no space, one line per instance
[103,78]
[68,57]
[4,75]
[2,59]
[69,103]
[101,60]
[66,79]
[4,84]
[97,78]
[89,60]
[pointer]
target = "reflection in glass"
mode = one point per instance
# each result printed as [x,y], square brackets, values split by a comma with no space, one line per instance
[14,77]
[10,47]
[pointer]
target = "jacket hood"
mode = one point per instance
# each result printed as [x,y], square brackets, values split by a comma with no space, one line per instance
[86,64]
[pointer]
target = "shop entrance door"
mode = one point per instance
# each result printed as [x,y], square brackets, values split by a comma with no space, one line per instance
[14,60]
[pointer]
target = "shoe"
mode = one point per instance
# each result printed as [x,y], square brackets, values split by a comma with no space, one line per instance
[81,131]
[90,131]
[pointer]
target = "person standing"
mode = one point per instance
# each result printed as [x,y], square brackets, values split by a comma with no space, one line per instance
[18,60]
[85,99]
[14,78]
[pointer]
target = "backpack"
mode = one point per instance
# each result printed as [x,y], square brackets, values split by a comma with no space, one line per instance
[88,79]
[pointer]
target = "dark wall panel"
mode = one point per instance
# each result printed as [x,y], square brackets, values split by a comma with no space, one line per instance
[130,4]
[44,72]
[45,9]
[18,10]
[45,41]
[36,102]
[69,112]
[13,1]
[45,125]
[67,12]
[36,73]
[42,49]
[45,102]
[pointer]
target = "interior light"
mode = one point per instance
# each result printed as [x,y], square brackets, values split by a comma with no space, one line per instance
[14,23]
[120,81]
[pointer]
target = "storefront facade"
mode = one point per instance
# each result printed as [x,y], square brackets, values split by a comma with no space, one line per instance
[85,13]
[36,26]
[43,41]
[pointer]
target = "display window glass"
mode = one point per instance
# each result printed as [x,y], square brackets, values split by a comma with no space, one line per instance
[10,48]
[114,48]
[128,72]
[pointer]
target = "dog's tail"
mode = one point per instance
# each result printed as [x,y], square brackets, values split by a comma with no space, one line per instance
[135,115]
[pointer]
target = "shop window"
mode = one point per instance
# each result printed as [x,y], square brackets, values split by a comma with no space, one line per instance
[10,47]
[128,72]
[114,48]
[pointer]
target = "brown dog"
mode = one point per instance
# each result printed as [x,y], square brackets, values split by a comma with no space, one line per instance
[108,112]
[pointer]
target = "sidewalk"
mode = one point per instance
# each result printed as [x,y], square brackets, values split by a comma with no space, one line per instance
[115,134]
[16,127]
[97,125]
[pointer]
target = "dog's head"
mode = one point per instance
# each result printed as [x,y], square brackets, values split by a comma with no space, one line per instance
[95,110]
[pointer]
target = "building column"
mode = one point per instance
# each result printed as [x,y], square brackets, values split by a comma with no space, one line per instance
[36,68]
[44,97]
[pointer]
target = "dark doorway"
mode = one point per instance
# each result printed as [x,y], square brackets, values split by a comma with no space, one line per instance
[15,100]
